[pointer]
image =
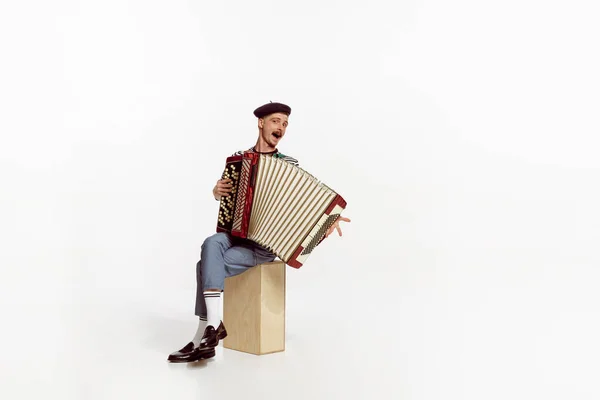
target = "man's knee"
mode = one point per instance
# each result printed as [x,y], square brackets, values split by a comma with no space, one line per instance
[219,239]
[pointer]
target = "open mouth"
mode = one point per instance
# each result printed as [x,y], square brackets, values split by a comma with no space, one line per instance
[277,135]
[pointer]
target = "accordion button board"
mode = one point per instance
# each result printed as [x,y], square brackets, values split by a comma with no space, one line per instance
[227,203]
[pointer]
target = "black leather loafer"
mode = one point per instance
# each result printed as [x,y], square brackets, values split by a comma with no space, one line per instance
[189,353]
[212,336]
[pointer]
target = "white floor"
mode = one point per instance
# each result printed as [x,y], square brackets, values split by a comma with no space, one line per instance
[114,346]
[433,337]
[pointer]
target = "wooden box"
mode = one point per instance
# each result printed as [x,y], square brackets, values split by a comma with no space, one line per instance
[254,309]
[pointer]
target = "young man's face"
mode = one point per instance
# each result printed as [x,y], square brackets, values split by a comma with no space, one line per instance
[273,128]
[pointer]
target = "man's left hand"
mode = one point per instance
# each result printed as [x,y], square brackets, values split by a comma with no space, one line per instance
[336,225]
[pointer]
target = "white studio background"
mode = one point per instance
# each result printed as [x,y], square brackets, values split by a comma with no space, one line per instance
[462,134]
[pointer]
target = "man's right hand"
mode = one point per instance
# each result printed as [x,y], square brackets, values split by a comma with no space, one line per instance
[222,188]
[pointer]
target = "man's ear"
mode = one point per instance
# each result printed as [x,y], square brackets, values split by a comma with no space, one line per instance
[261,123]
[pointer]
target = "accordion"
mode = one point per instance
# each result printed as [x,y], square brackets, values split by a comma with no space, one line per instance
[277,205]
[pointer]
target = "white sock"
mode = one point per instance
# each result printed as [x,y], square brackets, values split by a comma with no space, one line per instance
[221,307]
[213,308]
[199,332]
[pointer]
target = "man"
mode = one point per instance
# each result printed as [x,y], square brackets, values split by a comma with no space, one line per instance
[223,255]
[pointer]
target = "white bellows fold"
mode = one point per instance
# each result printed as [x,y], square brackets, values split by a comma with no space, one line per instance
[287,204]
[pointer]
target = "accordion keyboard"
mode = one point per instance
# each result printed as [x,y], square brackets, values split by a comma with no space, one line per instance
[227,205]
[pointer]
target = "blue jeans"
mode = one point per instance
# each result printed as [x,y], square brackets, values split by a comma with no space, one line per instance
[223,256]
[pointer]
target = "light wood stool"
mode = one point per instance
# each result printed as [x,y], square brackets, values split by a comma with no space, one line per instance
[254,309]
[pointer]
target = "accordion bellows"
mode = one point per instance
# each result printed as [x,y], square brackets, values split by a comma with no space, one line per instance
[277,205]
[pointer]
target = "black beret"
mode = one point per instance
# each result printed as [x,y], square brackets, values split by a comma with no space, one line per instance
[271,108]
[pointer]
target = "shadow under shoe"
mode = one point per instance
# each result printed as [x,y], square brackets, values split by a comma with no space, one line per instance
[189,353]
[211,336]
